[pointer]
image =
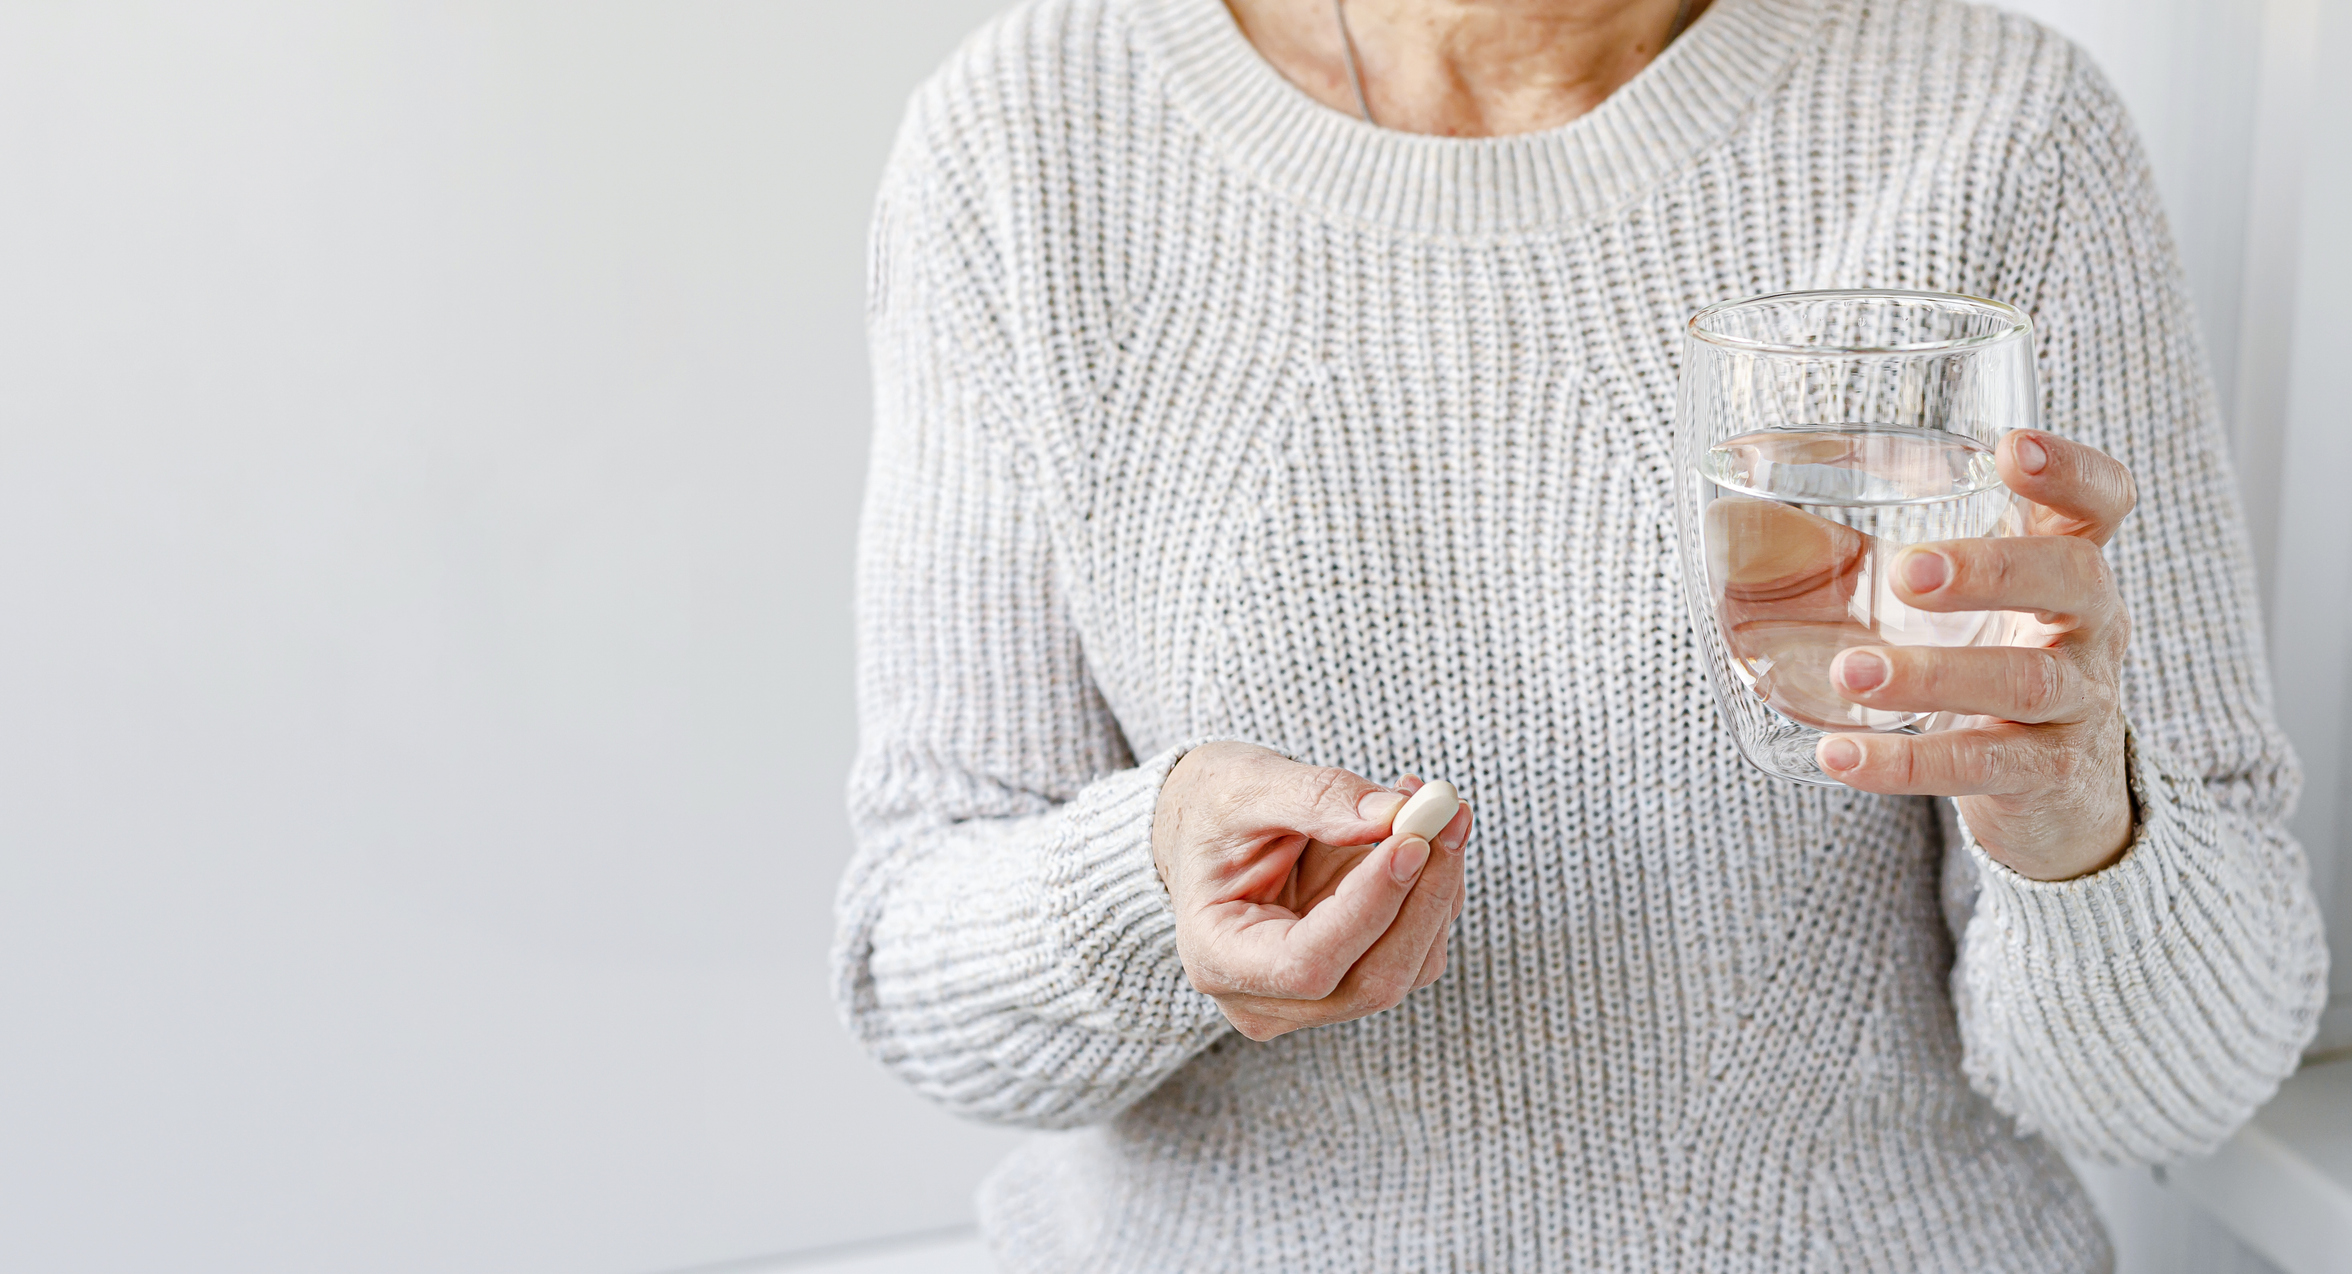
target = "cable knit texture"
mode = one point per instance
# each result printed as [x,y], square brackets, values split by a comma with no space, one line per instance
[1206,412]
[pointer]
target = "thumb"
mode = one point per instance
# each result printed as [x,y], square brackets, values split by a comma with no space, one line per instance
[1329,804]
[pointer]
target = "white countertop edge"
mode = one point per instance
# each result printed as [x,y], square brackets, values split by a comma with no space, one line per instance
[2276,1198]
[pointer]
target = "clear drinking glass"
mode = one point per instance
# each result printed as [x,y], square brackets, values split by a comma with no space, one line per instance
[1817,435]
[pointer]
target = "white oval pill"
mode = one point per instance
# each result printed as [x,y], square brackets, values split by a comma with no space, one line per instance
[1428,811]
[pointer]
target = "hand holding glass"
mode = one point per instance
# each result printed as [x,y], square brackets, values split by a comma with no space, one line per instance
[1817,436]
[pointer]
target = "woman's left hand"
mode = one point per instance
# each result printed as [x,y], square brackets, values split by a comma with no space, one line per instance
[2041,783]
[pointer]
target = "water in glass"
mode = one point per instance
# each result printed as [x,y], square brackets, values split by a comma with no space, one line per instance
[1801,528]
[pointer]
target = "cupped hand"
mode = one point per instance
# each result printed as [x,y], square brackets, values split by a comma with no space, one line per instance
[2040,774]
[1294,905]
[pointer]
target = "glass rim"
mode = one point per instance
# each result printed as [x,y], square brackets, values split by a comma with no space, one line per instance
[2019,324]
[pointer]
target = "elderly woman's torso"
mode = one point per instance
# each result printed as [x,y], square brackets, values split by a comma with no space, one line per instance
[1354,444]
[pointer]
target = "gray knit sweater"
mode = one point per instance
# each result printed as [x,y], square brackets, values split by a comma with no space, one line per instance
[1206,412]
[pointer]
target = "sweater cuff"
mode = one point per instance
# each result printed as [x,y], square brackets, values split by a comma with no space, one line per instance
[1114,924]
[2136,987]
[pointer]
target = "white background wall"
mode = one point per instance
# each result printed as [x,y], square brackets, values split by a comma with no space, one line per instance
[429,443]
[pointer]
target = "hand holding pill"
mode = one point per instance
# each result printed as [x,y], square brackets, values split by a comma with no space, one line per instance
[1427,811]
[1306,895]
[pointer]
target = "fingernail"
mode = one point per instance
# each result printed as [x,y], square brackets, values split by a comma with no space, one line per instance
[2031,456]
[1860,670]
[1379,807]
[1839,754]
[1925,570]
[1411,853]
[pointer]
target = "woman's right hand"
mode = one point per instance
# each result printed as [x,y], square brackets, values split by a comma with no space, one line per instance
[1294,906]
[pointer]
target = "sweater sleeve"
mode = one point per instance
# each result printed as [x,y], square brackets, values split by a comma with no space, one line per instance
[1003,941]
[2143,1013]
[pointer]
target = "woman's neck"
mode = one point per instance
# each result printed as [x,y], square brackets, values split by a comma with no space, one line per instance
[1464,68]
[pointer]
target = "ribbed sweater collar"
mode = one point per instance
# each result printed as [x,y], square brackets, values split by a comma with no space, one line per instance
[1691,96]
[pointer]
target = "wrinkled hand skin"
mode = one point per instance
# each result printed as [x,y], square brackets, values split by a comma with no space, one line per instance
[1294,905]
[2039,772]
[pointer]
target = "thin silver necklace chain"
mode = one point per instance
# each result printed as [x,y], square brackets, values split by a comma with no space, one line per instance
[1347,48]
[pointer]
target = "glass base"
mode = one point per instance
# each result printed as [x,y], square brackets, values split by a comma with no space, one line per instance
[1785,749]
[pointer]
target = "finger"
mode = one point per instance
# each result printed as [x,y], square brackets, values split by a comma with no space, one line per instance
[2051,575]
[1433,965]
[1350,999]
[1325,802]
[1456,835]
[1268,952]
[2015,683]
[1256,1018]
[1456,839]
[1391,968]
[1263,1018]
[2089,491]
[1451,841]
[1388,972]
[1797,658]
[1993,760]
